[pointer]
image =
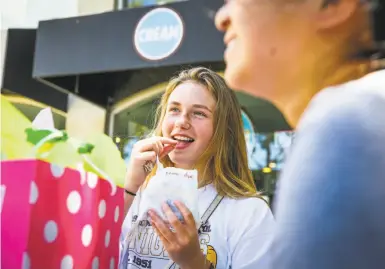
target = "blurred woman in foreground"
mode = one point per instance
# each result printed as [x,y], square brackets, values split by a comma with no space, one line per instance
[306,57]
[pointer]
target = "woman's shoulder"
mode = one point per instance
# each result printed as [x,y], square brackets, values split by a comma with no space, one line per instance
[350,103]
[373,82]
[368,87]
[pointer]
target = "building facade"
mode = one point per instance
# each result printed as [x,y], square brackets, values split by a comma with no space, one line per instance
[104,70]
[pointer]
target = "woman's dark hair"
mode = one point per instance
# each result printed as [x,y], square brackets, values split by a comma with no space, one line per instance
[377,17]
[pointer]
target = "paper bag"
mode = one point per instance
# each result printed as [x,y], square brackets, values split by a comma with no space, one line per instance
[170,184]
[55,217]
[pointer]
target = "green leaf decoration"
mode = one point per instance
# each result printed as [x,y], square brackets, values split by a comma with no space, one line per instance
[35,136]
[86,148]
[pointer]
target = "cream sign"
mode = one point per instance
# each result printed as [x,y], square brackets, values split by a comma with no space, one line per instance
[158,34]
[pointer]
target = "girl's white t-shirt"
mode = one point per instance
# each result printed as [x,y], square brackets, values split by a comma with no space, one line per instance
[237,235]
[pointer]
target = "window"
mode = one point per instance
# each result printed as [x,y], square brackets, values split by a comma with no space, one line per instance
[142,3]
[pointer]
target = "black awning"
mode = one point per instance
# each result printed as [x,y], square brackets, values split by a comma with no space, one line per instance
[94,56]
[105,42]
[17,74]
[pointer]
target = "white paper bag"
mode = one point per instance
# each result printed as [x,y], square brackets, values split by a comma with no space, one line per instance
[168,184]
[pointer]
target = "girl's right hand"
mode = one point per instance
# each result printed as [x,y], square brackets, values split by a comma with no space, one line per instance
[143,151]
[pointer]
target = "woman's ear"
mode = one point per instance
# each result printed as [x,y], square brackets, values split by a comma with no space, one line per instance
[333,13]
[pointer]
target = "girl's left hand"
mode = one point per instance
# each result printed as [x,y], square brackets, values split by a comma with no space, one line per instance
[182,244]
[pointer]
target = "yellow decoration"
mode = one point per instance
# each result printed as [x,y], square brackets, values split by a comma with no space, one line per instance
[107,157]
[14,143]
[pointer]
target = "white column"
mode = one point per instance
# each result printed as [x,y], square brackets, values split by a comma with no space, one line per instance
[87,7]
[3,41]
[84,118]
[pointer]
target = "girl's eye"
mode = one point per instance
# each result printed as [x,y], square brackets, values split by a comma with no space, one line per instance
[199,114]
[174,109]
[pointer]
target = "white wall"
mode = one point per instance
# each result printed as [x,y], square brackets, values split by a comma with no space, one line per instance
[12,13]
[38,10]
[27,13]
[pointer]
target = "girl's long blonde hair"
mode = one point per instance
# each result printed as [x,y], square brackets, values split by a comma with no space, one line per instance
[224,163]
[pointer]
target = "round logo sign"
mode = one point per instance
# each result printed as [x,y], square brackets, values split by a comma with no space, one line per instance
[158,34]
